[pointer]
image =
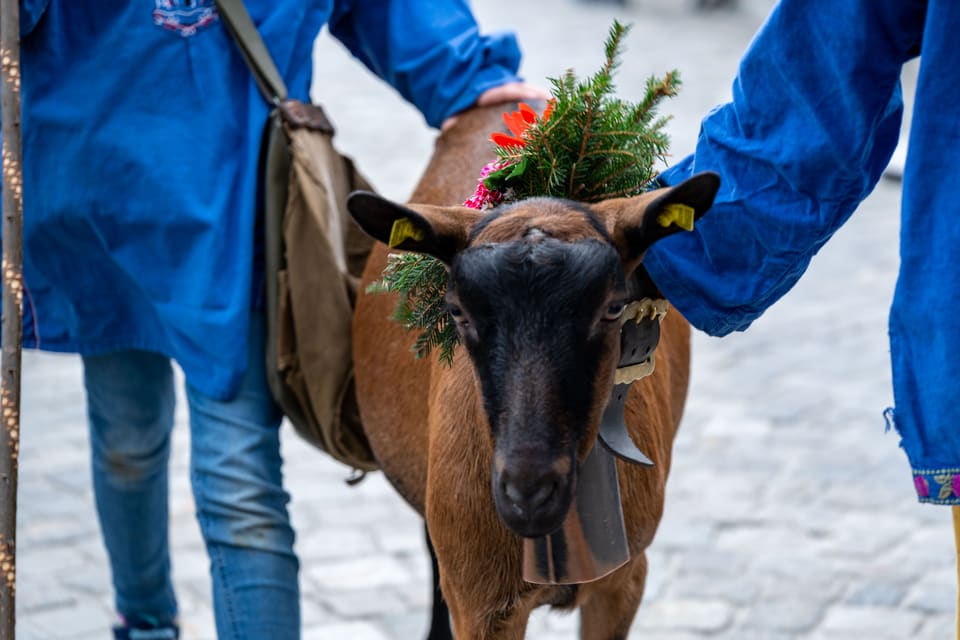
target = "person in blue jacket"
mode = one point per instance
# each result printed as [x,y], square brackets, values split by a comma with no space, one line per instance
[141,133]
[814,119]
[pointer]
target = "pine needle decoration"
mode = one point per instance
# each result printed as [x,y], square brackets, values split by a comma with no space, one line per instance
[421,282]
[587,146]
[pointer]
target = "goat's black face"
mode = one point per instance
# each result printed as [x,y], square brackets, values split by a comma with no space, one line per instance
[540,319]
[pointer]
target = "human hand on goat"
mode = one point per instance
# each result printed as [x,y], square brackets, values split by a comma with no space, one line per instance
[510,92]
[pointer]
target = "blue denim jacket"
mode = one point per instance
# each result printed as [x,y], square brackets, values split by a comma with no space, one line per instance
[814,119]
[141,131]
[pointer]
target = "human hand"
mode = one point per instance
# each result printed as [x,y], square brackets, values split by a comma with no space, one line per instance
[510,92]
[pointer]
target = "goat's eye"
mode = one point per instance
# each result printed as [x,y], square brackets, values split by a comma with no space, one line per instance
[455,311]
[614,311]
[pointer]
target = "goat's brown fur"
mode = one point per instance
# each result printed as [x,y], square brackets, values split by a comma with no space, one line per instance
[428,429]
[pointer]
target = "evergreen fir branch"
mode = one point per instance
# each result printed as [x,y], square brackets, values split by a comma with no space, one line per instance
[657,90]
[420,282]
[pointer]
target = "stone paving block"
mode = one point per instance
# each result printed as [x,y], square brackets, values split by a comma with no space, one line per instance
[713,562]
[937,627]
[92,550]
[846,497]
[38,594]
[362,572]
[51,501]
[870,622]
[362,603]
[75,620]
[334,542]
[313,612]
[876,592]
[546,623]
[763,538]
[185,533]
[816,587]
[96,635]
[804,564]
[739,633]
[935,592]
[417,566]
[198,624]
[703,616]
[56,530]
[783,616]
[742,427]
[347,512]
[930,546]
[61,454]
[781,508]
[48,560]
[417,593]
[351,630]
[740,592]
[684,532]
[194,593]
[26,629]
[866,535]
[190,563]
[409,624]
[671,635]
[401,540]
[94,581]
[74,480]
[659,574]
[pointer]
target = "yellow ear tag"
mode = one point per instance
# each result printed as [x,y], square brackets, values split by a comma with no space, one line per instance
[678,214]
[402,230]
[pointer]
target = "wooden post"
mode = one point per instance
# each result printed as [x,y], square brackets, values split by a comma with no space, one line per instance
[10,326]
[956,539]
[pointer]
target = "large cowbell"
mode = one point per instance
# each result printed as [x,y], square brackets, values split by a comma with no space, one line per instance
[592,541]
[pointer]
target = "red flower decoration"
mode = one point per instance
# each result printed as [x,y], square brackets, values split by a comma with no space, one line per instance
[551,103]
[503,140]
[519,122]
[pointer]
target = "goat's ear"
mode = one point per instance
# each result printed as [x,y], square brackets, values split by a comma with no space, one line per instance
[437,231]
[636,223]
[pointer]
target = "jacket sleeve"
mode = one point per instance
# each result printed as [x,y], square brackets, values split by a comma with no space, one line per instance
[814,119]
[30,14]
[431,51]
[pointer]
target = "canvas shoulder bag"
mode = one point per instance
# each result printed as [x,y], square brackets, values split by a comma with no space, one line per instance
[314,254]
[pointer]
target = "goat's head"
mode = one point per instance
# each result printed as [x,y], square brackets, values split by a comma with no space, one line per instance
[537,289]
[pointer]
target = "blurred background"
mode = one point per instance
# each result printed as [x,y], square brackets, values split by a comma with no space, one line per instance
[790,512]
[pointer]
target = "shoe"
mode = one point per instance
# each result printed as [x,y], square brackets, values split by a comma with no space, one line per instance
[144,628]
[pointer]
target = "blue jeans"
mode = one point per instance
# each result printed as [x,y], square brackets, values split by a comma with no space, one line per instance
[237,486]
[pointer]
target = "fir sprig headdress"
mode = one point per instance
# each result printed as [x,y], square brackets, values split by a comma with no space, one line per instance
[587,146]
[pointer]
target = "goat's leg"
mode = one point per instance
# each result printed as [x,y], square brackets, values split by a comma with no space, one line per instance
[440,614]
[476,621]
[613,603]
[483,603]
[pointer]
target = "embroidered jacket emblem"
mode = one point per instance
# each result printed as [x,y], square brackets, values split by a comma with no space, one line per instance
[186,17]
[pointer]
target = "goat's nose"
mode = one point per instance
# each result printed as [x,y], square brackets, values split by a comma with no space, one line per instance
[528,490]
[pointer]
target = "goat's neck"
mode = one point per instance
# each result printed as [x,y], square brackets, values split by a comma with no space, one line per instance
[460,153]
[460,420]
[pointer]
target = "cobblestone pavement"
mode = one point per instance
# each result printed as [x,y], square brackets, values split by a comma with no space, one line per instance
[790,513]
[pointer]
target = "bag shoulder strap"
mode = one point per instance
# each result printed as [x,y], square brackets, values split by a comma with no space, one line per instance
[255,53]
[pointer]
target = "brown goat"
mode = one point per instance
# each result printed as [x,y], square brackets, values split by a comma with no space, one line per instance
[487,450]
